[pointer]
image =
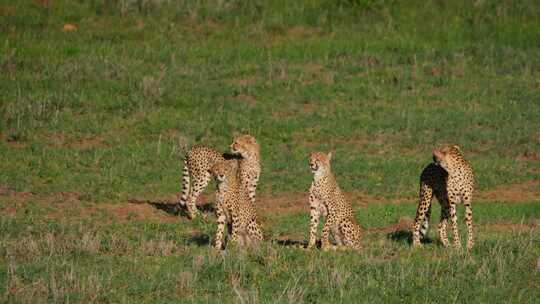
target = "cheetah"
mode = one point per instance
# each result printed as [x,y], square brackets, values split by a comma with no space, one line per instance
[200,159]
[250,166]
[233,206]
[451,179]
[327,200]
[196,177]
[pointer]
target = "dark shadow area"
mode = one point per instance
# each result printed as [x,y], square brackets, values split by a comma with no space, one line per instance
[228,156]
[293,243]
[173,208]
[405,236]
[199,240]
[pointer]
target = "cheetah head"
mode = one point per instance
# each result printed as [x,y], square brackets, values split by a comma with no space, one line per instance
[446,156]
[245,145]
[319,161]
[223,171]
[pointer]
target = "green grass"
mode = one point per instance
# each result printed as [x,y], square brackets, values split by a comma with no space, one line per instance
[159,262]
[104,113]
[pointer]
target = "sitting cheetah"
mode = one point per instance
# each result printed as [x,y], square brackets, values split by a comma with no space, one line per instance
[326,199]
[200,159]
[451,179]
[250,166]
[233,206]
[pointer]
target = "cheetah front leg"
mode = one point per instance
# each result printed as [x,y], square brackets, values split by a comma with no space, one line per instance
[325,237]
[315,213]
[252,188]
[236,237]
[221,220]
[426,197]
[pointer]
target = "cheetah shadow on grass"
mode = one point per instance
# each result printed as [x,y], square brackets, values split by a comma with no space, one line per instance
[405,236]
[293,243]
[173,208]
[199,240]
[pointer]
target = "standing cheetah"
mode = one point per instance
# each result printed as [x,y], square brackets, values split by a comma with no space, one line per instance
[451,179]
[250,165]
[326,199]
[234,207]
[195,176]
[200,159]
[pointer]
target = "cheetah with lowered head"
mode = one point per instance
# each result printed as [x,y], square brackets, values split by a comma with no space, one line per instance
[450,178]
[200,159]
[327,200]
[233,206]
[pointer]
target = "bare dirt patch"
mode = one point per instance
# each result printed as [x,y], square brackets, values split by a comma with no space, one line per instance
[509,227]
[283,203]
[64,205]
[529,157]
[88,143]
[72,205]
[515,193]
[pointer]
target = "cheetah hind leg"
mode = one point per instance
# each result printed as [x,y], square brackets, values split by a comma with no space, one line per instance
[351,235]
[470,227]
[442,224]
[424,207]
[197,187]
[425,224]
[255,236]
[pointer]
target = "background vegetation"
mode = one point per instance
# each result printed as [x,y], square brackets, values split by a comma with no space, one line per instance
[99,99]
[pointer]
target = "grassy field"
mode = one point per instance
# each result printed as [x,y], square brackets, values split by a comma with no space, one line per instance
[95,119]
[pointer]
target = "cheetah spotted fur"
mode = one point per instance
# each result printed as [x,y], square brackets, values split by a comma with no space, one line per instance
[450,178]
[327,200]
[250,166]
[200,159]
[233,206]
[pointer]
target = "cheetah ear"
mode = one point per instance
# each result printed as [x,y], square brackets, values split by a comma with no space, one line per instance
[456,147]
[330,154]
[438,154]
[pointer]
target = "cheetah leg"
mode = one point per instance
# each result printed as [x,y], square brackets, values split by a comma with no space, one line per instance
[325,242]
[252,189]
[199,184]
[314,220]
[221,220]
[351,234]
[468,221]
[425,225]
[185,185]
[442,224]
[236,237]
[453,219]
[255,233]
[337,236]
[426,197]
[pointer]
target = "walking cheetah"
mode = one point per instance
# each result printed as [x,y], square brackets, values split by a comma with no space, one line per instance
[451,179]
[233,206]
[250,166]
[327,200]
[195,176]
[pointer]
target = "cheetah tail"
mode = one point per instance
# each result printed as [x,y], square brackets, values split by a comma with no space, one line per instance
[185,184]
